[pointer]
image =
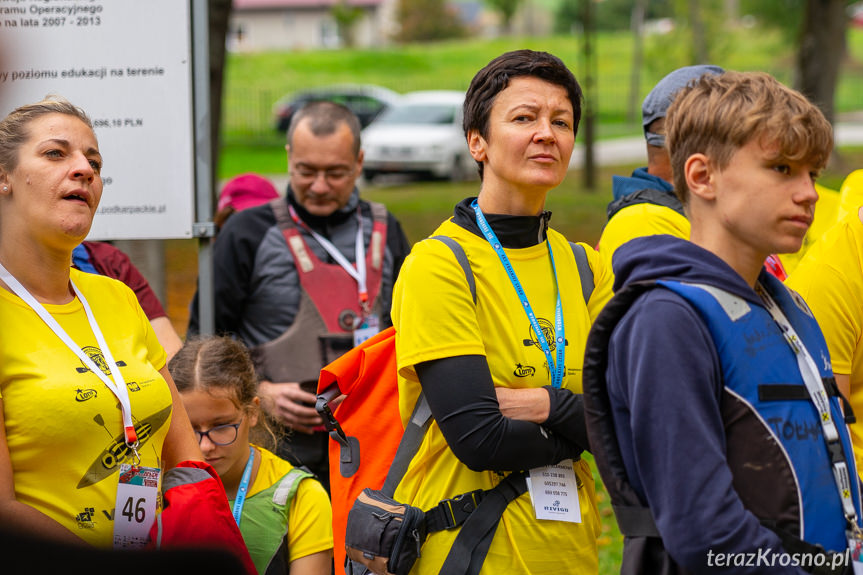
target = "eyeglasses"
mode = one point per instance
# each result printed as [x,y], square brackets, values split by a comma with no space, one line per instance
[331,175]
[221,434]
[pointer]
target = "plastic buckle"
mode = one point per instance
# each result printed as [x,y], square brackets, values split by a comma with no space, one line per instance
[457,509]
[836,451]
[322,406]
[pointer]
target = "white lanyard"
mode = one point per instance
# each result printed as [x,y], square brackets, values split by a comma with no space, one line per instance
[119,388]
[815,387]
[358,273]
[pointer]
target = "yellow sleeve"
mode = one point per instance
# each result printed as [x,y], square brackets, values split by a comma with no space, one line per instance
[433,311]
[834,300]
[310,526]
[850,195]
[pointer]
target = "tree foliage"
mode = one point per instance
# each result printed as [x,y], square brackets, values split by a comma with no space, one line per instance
[607,14]
[507,10]
[818,27]
[346,17]
[783,15]
[427,20]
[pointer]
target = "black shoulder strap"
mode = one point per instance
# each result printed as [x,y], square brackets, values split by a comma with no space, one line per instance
[421,417]
[646,196]
[471,545]
[585,273]
[634,519]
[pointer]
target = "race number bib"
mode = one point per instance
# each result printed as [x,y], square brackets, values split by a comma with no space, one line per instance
[135,509]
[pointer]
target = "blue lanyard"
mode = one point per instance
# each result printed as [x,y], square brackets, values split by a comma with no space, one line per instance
[556,368]
[244,487]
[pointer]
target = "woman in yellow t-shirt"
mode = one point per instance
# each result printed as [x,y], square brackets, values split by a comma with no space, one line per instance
[83,384]
[502,376]
[283,514]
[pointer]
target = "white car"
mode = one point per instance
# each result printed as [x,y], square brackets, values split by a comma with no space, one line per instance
[422,134]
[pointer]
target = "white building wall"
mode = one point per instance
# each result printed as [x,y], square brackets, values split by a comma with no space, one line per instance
[298,29]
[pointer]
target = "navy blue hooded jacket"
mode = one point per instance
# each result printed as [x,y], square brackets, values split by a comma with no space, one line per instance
[665,384]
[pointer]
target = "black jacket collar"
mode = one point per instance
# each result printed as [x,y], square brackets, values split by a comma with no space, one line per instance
[512,231]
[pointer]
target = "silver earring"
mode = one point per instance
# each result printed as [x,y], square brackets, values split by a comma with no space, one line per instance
[5,188]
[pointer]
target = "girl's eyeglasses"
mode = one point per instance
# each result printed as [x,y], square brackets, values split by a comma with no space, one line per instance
[221,434]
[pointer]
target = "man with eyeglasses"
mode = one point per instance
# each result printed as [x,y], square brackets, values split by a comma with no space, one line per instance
[304,278]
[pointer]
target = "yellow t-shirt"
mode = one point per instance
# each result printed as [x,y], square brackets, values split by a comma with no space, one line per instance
[850,194]
[830,279]
[63,425]
[435,318]
[826,215]
[640,220]
[310,519]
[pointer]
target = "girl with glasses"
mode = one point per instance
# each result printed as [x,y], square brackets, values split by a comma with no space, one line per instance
[283,514]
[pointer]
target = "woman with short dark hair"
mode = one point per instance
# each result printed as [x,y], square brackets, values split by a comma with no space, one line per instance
[502,376]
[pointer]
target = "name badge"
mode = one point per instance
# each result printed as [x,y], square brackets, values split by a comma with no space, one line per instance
[135,508]
[855,551]
[371,326]
[554,492]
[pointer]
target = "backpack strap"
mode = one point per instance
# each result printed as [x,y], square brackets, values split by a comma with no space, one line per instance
[471,545]
[421,417]
[585,273]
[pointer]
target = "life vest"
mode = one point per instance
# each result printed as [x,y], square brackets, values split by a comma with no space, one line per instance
[264,523]
[329,306]
[794,492]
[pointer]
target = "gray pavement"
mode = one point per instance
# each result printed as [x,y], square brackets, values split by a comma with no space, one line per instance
[631,150]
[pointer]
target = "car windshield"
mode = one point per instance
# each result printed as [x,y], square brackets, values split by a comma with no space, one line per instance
[419,114]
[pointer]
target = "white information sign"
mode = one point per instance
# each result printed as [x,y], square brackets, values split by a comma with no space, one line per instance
[128,64]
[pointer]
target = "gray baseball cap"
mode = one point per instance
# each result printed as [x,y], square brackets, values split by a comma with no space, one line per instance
[659,99]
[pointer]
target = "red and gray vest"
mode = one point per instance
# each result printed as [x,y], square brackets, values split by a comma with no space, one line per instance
[329,308]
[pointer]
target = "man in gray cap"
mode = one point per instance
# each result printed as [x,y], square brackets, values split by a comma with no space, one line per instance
[644,204]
